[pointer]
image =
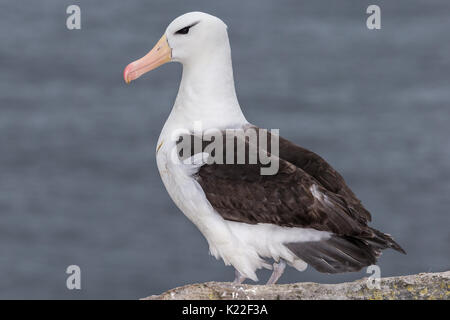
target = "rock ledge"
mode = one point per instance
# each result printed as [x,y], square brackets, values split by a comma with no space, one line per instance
[431,286]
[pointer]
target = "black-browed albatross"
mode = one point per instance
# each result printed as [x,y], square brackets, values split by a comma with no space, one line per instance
[304,214]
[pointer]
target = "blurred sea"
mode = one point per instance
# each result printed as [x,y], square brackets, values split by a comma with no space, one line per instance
[78,178]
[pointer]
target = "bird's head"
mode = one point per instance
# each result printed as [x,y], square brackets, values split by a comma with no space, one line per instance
[188,38]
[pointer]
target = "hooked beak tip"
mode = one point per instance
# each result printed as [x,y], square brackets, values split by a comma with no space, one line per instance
[126,71]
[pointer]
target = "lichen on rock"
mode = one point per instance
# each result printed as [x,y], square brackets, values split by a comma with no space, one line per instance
[422,286]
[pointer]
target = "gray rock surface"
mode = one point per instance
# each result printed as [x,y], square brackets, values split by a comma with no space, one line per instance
[431,286]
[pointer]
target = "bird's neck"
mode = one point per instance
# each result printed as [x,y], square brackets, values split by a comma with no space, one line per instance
[207,93]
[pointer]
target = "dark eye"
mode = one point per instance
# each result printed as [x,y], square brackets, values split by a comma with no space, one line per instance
[185,30]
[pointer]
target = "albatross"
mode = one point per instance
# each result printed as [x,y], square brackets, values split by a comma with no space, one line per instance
[303,214]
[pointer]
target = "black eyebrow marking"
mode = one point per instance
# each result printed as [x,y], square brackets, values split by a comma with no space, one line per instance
[186,29]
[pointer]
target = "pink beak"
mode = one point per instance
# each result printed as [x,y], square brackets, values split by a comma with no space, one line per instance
[160,54]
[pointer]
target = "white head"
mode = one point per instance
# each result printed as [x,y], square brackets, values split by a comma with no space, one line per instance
[194,36]
[199,41]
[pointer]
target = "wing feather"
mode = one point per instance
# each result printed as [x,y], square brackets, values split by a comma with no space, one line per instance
[306,192]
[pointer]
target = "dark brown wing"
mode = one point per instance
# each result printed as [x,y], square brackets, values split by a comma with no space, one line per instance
[322,172]
[306,192]
[240,193]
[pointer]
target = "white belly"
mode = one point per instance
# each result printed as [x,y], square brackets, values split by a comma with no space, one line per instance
[191,200]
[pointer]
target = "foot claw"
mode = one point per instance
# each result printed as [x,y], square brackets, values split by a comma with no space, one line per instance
[278,269]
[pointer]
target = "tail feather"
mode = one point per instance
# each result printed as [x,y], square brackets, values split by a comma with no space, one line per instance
[383,241]
[343,253]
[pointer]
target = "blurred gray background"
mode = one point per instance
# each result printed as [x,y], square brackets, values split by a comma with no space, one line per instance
[78,178]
